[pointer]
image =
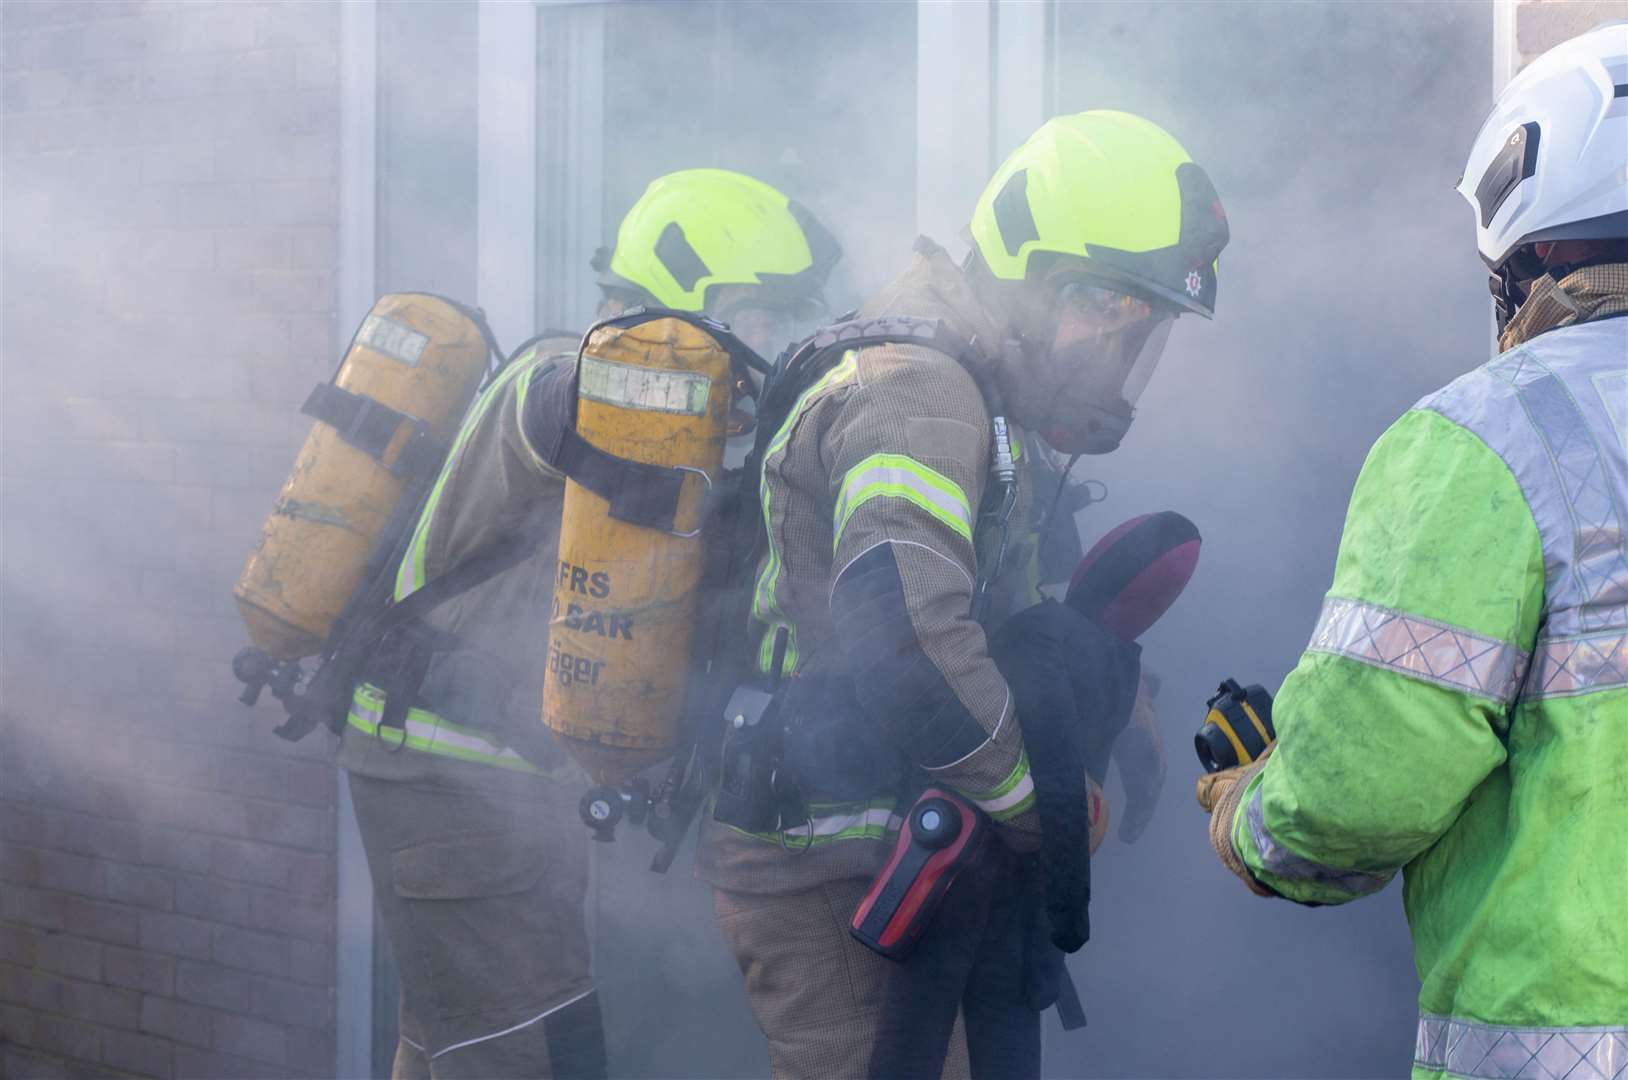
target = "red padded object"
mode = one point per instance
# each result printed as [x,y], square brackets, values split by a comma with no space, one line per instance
[1131,576]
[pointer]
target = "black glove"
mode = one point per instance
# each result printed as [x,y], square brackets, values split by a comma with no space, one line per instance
[1073,684]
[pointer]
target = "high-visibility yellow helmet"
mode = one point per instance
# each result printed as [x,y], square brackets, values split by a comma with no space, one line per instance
[1115,193]
[699,228]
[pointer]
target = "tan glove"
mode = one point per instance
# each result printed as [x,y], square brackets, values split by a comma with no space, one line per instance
[1219,793]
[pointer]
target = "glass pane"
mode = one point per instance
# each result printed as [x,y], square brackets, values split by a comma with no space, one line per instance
[815,98]
[427,148]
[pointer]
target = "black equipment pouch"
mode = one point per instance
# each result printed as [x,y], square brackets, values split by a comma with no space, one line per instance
[745,798]
[831,749]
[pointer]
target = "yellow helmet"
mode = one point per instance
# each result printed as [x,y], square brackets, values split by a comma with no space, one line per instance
[699,228]
[1115,192]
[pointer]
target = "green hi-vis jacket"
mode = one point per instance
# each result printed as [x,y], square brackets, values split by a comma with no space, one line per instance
[1461,713]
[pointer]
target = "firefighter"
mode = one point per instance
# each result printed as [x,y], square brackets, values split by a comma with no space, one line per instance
[890,492]
[467,810]
[1459,713]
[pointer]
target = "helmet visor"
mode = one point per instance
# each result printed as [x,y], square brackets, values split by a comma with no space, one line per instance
[1105,345]
[1111,341]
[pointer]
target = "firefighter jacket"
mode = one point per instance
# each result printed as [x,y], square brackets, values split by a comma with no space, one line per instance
[481,713]
[871,494]
[1461,713]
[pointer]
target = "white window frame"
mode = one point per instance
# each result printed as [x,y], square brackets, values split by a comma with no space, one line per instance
[358,210]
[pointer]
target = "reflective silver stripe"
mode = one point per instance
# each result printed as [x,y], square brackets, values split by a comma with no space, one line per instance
[1279,861]
[863,821]
[1492,1052]
[1421,648]
[432,734]
[1562,667]
[1537,408]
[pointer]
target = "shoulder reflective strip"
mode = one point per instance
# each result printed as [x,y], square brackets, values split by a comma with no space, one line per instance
[899,477]
[647,389]
[1423,649]
[765,606]
[1279,861]
[1548,442]
[431,734]
[530,359]
[1469,1048]
[410,574]
[1564,667]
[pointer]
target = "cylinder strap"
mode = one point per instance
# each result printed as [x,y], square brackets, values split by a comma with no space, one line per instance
[371,427]
[638,493]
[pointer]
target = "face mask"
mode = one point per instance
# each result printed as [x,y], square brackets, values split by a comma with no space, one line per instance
[1104,347]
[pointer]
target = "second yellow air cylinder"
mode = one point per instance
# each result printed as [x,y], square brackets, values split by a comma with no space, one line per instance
[625,595]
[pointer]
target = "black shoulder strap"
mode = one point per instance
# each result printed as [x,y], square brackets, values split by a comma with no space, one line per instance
[802,364]
[507,553]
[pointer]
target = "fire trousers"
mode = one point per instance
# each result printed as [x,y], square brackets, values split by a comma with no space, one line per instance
[816,992]
[482,899]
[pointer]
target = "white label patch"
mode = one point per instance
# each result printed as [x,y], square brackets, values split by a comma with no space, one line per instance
[393,339]
[643,388]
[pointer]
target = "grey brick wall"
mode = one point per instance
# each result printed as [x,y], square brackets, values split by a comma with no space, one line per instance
[166,864]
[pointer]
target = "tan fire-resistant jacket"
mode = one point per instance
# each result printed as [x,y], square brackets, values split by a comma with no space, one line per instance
[491,481]
[891,446]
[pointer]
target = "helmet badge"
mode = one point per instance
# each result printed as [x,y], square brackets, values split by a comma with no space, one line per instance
[1195,283]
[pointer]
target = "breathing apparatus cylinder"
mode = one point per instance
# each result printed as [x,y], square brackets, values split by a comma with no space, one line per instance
[404,383]
[655,392]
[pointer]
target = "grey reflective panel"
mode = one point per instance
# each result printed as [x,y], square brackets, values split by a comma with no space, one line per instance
[1491,1052]
[1562,667]
[1539,408]
[1421,648]
[1281,862]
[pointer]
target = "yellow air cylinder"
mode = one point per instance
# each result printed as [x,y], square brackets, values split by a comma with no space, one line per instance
[415,353]
[625,596]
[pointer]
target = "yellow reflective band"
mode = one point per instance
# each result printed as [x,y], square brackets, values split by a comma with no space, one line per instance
[764,605]
[410,574]
[1012,796]
[899,477]
[830,822]
[432,734]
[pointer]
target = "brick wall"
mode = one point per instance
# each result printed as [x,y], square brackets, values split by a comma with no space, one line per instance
[1540,25]
[166,864]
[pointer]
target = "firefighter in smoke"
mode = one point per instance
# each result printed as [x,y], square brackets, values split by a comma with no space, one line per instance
[885,492]
[467,809]
[1459,713]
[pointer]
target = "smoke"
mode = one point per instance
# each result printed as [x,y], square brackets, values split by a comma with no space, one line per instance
[141,452]
[1334,134]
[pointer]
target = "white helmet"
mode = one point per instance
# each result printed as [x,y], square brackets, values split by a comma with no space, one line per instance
[1551,161]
